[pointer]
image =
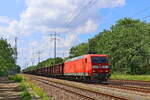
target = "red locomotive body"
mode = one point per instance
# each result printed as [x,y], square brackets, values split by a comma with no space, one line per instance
[91,66]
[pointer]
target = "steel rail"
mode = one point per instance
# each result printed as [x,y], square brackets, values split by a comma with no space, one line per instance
[84,96]
[130,81]
[131,88]
[140,86]
[88,90]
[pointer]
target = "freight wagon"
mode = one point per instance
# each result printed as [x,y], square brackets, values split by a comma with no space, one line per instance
[91,67]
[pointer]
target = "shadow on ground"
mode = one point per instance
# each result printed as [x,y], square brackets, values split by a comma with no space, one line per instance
[9,90]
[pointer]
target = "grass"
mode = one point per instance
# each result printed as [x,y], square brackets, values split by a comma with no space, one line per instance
[37,90]
[16,78]
[23,87]
[131,77]
[25,95]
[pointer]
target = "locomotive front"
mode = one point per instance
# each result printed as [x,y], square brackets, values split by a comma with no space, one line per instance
[91,67]
[100,67]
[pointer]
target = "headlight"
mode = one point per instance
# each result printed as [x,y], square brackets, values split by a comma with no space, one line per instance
[105,67]
[94,71]
[95,66]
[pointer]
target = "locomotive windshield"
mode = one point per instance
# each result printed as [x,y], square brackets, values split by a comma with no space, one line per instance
[99,60]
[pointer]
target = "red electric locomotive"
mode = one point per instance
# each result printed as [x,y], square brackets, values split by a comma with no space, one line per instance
[93,67]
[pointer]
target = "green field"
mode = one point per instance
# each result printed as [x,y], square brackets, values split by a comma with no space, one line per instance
[131,77]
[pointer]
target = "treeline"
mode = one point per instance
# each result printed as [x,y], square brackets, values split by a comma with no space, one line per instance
[46,63]
[127,43]
[7,59]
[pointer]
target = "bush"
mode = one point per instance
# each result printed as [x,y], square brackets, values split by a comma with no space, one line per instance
[23,87]
[26,95]
[131,77]
[39,92]
[2,74]
[16,78]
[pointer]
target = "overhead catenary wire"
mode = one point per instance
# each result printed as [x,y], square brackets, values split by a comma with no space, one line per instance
[76,14]
[88,5]
[140,12]
[145,17]
[73,17]
[73,13]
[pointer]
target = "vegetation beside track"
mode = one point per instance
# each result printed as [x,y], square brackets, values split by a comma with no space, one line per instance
[36,90]
[16,78]
[131,77]
[46,63]
[42,95]
[25,86]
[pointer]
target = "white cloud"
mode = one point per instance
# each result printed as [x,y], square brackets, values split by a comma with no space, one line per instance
[110,3]
[34,44]
[4,19]
[89,26]
[52,15]
[48,16]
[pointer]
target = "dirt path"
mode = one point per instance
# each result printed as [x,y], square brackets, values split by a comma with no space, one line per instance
[9,90]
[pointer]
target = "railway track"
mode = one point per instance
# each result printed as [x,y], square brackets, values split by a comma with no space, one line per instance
[129,82]
[130,88]
[139,86]
[78,94]
[75,90]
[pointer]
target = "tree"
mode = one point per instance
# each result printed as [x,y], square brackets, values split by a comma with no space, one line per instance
[127,43]
[7,61]
[46,63]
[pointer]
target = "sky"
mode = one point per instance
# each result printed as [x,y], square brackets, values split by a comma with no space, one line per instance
[74,21]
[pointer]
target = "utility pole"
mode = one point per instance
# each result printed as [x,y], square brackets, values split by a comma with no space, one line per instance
[89,46]
[39,56]
[26,63]
[16,53]
[54,37]
[32,59]
[55,45]
[63,54]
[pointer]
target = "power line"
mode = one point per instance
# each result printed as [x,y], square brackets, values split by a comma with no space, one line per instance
[75,16]
[26,63]
[72,18]
[145,17]
[89,4]
[73,13]
[32,59]
[78,14]
[16,53]
[76,10]
[140,12]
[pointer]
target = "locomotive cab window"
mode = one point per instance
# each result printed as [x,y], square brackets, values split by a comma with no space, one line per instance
[99,60]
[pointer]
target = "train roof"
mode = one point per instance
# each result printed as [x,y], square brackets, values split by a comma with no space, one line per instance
[86,55]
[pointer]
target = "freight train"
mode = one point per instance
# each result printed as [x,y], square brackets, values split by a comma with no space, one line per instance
[89,67]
